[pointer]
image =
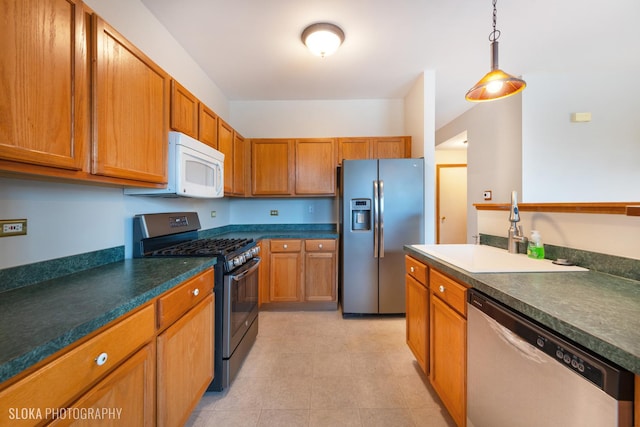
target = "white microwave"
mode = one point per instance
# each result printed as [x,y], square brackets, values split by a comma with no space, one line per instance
[195,170]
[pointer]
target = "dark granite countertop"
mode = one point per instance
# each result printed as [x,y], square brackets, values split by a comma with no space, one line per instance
[275,231]
[47,306]
[598,311]
[38,320]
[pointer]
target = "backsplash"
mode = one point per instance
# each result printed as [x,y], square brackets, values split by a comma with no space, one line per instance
[603,263]
[25,275]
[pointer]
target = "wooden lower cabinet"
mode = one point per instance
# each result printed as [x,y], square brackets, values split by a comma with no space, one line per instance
[320,266]
[185,364]
[285,276]
[299,273]
[144,371]
[636,406]
[448,344]
[417,311]
[127,395]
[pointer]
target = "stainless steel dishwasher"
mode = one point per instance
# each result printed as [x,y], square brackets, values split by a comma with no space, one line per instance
[522,374]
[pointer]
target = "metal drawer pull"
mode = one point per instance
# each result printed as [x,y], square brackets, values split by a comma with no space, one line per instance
[441,288]
[412,269]
[102,359]
[285,246]
[196,292]
[320,246]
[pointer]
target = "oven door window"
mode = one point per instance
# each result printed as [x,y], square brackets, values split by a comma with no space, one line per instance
[244,299]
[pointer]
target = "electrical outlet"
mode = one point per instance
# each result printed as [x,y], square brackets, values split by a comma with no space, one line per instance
[274,212]
[310,209]
[213,214]
[13,227]
[487,195]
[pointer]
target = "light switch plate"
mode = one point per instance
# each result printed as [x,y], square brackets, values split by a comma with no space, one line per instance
[487,195]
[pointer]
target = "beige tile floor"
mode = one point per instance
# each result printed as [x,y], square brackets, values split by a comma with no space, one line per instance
[318,369]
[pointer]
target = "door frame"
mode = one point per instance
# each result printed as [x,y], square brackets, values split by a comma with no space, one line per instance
[438,168]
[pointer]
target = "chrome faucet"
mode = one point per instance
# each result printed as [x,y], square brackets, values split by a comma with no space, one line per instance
[515,231]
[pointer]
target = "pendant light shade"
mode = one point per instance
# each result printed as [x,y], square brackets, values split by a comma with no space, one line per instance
[322,39]
[496,84]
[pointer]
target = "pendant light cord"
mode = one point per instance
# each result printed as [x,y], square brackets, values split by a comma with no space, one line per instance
[495,34]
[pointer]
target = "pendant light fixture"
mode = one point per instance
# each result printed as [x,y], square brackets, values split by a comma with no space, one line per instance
[322,38]
[495,84]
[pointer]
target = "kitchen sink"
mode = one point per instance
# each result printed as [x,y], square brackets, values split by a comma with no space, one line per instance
[488,259]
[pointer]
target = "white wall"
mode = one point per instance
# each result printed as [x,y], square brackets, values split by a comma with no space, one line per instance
[420,124]
[494,152]
[598,161]
[290,211]
[606,234]
[69,219]
[318,118]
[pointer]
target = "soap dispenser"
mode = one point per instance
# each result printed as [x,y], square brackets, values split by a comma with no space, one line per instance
[535,249]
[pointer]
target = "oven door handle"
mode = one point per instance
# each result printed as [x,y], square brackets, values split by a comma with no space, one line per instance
[246,272]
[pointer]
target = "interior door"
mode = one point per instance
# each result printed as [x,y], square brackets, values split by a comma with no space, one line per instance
[451,203]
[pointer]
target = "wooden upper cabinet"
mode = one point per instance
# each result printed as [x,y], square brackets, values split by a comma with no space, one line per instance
[225,146]
[131,110]
[315,166]
[272,163]
[240,155]
[184,110]
[207,126]
[391,147]
[354,149]
[44,107]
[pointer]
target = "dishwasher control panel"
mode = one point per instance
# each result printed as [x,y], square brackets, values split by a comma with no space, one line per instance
[571,358]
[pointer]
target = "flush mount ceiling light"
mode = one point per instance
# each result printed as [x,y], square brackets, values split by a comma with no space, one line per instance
[322,38]
[495,84]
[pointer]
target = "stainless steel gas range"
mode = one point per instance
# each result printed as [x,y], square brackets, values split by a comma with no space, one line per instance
[236,281]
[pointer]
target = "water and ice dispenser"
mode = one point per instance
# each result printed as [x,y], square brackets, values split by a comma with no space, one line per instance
[360,214]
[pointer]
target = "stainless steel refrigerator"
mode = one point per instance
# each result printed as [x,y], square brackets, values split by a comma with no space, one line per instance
[381,210]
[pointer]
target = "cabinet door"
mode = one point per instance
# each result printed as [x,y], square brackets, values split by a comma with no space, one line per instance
[44,107]
[128,394]
[131,110]
[354,149]
[239,164]
[285,277]
[448,361]
[319,276]
[272,167]
[225,146]
[315,166]
[184,110]
[417,317]
[185,364]
[208,126]
[392,147]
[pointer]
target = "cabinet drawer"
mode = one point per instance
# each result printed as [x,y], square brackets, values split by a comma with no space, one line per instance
[59,382]
[450,291]
[286,245]
[179,300]
[416,269]
[315,245]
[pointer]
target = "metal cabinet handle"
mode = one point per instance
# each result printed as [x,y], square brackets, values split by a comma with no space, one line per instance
[196,292]
[285,246]
[441,288]
[320,246]
[412,269]
[102,359]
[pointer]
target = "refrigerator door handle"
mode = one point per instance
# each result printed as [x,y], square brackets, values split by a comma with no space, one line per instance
[381,217]
[376,208]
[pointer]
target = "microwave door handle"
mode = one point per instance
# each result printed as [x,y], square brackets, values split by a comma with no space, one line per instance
[219,183]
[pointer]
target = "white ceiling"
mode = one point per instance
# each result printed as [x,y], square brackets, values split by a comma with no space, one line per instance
[252,50]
